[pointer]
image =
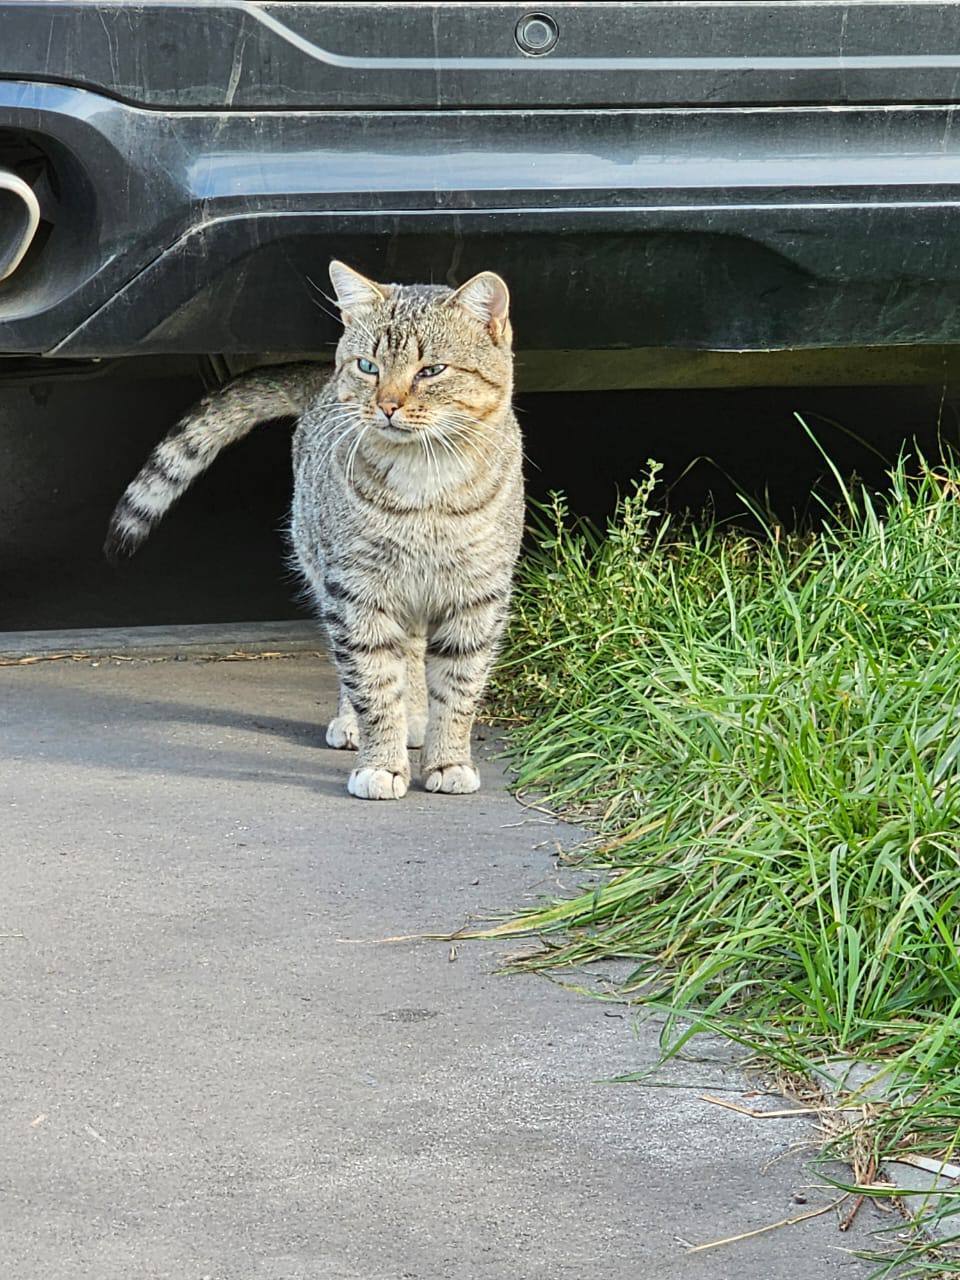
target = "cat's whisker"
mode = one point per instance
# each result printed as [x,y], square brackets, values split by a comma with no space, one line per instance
[334,315]
[488,440]
[440,459]
[352,460]
[448,446]
[330,450]
[424,444]
[351,455]
[452,449]
[341,420]
[485,443]
[431,455]
[365,331]
[471,431]
[434,442]
[459,418]
[336,420]
[326,310]
[339,429]
[343,428]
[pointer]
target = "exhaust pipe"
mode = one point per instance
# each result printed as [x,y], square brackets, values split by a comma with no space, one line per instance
[19,219]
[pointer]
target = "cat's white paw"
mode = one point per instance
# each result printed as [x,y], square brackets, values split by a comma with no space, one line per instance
[416,731]
[453,779]
[343,732]
[377,784]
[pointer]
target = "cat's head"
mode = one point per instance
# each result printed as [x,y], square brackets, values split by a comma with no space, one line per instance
[423,358]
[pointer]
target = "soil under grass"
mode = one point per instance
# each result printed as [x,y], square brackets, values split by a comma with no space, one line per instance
[764,731]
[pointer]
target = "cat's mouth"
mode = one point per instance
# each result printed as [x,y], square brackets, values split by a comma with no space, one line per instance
[396,430]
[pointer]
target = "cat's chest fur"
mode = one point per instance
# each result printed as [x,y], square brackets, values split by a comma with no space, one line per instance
[419,533]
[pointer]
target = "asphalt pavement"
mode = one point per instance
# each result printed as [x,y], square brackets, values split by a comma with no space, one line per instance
[213,1065]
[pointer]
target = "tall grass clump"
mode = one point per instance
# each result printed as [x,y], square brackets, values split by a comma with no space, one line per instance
[764,732]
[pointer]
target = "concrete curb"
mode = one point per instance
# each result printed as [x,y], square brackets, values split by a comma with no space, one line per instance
[923,1190]
[212,638]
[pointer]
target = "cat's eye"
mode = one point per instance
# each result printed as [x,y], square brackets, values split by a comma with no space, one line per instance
[431,370]
[366,366]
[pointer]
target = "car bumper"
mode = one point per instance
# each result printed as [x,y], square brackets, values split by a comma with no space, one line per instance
[725,229]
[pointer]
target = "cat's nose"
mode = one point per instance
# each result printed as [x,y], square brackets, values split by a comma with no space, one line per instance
[388,407]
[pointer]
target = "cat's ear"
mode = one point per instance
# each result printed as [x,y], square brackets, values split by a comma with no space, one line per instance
[354,291]
[487,298]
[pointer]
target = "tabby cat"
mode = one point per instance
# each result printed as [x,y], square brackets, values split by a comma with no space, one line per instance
[407,511]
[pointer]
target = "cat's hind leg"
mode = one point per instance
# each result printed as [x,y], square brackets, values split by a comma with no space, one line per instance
[343,731]
[415,689]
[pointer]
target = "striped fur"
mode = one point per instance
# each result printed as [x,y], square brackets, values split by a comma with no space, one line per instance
[219,420]
[407,513]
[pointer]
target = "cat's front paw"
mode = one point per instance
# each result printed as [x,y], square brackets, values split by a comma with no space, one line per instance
[377,784]
[343,732]
[416,731]
[452,779]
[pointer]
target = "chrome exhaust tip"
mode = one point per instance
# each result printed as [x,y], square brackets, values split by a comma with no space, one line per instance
[19,219]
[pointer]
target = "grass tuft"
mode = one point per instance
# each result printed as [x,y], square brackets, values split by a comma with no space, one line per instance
[764,731]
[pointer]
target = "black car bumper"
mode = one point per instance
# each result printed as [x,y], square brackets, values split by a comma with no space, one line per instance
[170,228]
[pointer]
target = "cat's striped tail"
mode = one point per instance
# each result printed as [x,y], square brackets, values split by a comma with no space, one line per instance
[220,419]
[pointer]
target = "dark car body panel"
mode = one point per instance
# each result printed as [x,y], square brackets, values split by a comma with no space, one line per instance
[692,175]
[216,55]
